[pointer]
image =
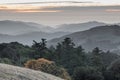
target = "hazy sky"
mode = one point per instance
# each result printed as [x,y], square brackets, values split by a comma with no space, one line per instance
[101,1]
[54,12]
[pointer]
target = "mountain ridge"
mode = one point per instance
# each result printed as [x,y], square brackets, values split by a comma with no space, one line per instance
[79,26]
[105,37]
[18,27]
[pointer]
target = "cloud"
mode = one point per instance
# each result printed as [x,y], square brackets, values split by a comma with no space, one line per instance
[63,3]
[3,7]
[26,8]
[58,3]
[47,7]
[35,7]
[52,2]
[36,11]
[50,7]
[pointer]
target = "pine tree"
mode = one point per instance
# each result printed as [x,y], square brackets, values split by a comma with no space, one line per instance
[40,49]
[97,58]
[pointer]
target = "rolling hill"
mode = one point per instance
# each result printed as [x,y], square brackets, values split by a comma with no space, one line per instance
[104,37]
[86,34]
[19,27]
[79,26]
[28,38]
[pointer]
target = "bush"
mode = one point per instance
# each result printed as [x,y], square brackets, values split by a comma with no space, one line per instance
[5,60]
[113,71]
[48,67]
[87,73]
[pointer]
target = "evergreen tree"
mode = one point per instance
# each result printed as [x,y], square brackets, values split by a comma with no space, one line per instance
[40,49]
[69,56]
[97,58]
[87,73]
[81,55]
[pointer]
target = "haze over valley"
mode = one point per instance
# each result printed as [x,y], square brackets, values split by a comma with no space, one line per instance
[59,39]
[26,32]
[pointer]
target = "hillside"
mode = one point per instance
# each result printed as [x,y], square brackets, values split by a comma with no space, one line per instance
[8,72]
[19,27]
[105,37]
[79,26]
[29,37]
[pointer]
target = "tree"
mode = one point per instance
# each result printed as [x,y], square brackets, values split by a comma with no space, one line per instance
[67,43]
[87,73]
[48,67]
[65,54]
[41,45]
[97,59]
[113,71]
[80,53]
[40,49]
[14,52]
[69,56]
[64,49]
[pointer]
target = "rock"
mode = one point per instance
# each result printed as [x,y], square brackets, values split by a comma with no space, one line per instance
[9,72]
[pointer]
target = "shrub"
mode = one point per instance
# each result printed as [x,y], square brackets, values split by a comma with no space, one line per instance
[5,60]
[48,67]
[113,71]
[87,73]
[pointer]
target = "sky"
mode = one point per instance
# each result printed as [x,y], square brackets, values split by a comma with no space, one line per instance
[55,12]
[101,1]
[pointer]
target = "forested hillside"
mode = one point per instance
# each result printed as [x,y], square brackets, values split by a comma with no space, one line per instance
[105,37]
[65,60]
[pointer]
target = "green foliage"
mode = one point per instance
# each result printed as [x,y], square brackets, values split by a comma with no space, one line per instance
[40,49]
[87,73]
[113,71]
[81,65]
[68,56]
[5,60]
[15,52]
[96,59]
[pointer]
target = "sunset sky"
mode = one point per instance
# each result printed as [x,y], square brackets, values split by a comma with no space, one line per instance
[22,1]
[54,12]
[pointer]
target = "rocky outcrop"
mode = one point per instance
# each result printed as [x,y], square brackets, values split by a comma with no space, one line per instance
[9,72]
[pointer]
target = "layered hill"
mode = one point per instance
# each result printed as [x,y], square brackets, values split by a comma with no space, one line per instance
[19,27]
[79,26]
[105,37]
[28,38]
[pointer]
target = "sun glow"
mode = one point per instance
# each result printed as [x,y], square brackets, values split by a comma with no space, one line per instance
[26,8]
[42,7]
[36,11]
